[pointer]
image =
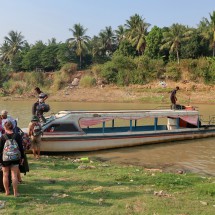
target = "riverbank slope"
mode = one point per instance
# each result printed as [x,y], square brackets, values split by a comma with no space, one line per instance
[189,93]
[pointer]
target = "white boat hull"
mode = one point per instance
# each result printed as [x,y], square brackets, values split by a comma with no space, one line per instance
[94,142]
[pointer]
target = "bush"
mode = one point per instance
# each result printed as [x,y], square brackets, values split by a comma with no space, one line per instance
[15,87]
[149,69]
[199,70]
[34,79]
[125,67]
[87,81]
[59,81]
[109,72]
[69,68]
[96,69]
[173,71]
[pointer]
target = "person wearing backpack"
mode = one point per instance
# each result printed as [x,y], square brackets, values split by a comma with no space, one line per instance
[35,133]
[11,155]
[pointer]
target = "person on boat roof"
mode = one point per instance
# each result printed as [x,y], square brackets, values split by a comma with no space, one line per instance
[41,100]
[173,98]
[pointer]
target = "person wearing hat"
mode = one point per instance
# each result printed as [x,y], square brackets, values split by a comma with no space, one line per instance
[5,117]
[35,133]
[41,100]
[173,98]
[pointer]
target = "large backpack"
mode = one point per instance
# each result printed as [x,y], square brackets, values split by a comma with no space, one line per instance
[11,150]
[37,130]
[26,141]
[43,107]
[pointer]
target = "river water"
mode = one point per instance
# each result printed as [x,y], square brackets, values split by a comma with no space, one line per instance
[196,156]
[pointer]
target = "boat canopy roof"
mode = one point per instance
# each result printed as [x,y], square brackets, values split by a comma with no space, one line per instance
[89,118]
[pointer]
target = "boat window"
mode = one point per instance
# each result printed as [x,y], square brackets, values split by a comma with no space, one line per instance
[61,127]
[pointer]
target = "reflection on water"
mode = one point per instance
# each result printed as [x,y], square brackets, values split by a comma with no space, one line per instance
[193,155]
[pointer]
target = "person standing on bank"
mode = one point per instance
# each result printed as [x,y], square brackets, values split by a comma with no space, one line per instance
[5,118]
[41,99]
[35,132]
[173,98]
[11,155]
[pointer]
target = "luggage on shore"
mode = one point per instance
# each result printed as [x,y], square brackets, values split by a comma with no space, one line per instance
[25,167]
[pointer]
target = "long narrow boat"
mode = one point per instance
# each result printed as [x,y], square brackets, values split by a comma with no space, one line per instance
[69,131]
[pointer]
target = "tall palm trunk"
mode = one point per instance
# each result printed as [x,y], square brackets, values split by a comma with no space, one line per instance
[177,53]
[80,60]
[214,43]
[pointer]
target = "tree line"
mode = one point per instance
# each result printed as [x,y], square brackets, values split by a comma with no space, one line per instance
[132,40]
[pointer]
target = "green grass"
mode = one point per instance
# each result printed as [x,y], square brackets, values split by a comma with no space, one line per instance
[55,185]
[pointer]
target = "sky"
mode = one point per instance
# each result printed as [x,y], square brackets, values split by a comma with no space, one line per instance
[47,19]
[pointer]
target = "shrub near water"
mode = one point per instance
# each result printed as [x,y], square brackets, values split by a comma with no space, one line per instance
[87,81]
[59,81]
[57,185]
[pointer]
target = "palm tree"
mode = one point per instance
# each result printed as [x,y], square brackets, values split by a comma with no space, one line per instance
[79,41]
[120,33]
[4,52]
[173,38]
[206,29]
[52,41]
[136,31]
[15,42]
[107,39]
[212,16]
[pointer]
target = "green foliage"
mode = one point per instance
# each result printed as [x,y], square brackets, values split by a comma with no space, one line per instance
[96,70]
[191,48]
[87,81]
[65,54]
[153,41]
[4,70]
[69,68]
[16,62]
[109,72]
[123,62]
[22,82]
[33,58]
[119,71]
[126,49]
[49,59]
[211,71]
[15,87]
[199,70]
[173,71]
[125,67]
[152,69]
[59,81]
[38,77]
[206,189]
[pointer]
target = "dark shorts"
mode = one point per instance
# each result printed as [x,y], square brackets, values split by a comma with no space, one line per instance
[173,101]
[10,163]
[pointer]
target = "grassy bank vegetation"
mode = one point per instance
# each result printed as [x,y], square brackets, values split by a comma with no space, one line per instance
[58,185]
[140,73]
